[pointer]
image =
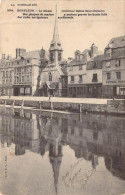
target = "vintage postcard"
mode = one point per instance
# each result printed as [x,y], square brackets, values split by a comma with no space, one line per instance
[62,97]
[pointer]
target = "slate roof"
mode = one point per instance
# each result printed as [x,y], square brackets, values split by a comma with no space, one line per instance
[118,54]
[49,84]
[75,62]
[51,67]
[116,42]
[32,54]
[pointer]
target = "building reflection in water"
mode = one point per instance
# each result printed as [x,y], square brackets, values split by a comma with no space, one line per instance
[89,136]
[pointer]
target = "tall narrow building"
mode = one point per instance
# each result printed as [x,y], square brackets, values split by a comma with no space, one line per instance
[55,51]
[54,76]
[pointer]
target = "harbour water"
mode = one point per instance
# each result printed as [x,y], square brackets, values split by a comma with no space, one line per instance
[44,153]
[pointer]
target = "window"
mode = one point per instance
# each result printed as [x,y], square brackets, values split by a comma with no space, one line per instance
[80,78]
[79,90]
[59,56]
[27,90]
[22,79]
[51,57]
[80,67]
[95,65]
[11,73]
[118,75]
[6,73]
[14,79]
[50,76]
[28,61]
[3,74]
[17,62]
[94,78]
[28,79]
[72,131]
[72,78]
[122,90]
[108,75]
[21,90]
[117,64]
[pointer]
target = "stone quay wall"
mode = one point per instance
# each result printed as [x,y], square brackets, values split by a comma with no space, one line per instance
[112,106]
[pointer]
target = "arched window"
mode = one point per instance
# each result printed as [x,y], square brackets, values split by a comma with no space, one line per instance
[59,57]
[50,76]
[51,57]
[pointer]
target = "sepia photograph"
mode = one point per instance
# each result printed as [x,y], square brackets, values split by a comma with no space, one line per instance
[62,97]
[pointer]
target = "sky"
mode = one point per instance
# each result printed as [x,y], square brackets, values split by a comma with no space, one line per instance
[78,33]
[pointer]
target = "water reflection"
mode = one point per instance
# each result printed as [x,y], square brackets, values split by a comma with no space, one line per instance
[89,136]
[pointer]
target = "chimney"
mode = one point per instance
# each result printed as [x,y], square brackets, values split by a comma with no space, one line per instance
[20,52]
[94,50]
[110,49]
[77,54]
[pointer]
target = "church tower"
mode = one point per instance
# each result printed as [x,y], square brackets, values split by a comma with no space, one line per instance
[55,156]
[55,50]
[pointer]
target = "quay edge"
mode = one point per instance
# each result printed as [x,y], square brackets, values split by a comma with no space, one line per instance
[116,107]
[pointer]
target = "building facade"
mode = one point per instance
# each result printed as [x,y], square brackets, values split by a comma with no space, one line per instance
[20,75]
[6,75]
[84,76]
[114,69]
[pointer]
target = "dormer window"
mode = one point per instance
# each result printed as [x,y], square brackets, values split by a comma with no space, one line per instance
[107,64]
[52,45]
[59,44]
[95,65]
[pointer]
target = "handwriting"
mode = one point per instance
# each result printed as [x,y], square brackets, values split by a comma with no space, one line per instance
[71,179]
[84,181]
[75,174]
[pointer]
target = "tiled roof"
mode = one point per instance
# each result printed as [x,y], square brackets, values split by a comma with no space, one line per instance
[116,42]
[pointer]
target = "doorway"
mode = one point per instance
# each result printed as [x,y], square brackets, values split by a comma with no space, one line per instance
[16,91]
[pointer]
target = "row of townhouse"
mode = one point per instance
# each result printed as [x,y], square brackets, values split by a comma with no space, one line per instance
[20,75]
[91,74]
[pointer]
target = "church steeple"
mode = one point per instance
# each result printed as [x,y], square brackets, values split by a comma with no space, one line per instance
[55,51]
[55,33]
